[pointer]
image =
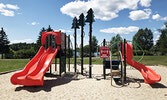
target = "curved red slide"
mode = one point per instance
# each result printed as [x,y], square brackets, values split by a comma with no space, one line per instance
[33,73]
[149,75]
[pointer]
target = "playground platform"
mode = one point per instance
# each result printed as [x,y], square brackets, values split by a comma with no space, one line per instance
[73,86]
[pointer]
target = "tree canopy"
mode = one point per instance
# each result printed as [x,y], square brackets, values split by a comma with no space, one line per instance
[162,42]
[4,42]
[144,37]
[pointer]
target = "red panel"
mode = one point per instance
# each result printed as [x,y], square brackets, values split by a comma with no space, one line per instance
[56,34]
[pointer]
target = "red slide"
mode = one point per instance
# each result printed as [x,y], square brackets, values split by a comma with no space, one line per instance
[33,73]
[149,75]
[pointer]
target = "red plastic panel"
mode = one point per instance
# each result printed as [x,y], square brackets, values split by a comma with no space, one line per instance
[56,34]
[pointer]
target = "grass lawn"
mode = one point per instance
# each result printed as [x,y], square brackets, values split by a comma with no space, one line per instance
[11,64]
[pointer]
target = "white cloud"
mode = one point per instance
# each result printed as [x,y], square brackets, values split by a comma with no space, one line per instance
[22,41]
[2,6]
[164,18]
[156,17]
[103,9]
[7,12]
[4,11]
[155,32]
[140,14]
[156,39]
[120,30]
[163,27]
[33,23]
[145,3]
[15,7]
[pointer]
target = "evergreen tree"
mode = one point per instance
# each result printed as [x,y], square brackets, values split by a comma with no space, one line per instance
[162,42]
[38,42]
[144,38]
[114,41]
[4,42]
[86,47]
[94,44]
[49,29]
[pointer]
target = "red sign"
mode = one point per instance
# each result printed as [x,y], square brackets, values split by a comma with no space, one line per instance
[104,52]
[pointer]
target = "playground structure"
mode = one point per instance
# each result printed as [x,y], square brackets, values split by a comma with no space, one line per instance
[126,56]
[33,73]
[56,47]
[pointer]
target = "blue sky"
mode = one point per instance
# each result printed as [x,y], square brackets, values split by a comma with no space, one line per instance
[23,19]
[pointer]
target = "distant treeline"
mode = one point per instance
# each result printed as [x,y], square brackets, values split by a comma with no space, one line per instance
[143,38]
[21,50]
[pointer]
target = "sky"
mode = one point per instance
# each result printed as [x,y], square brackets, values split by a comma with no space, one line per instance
[23,19]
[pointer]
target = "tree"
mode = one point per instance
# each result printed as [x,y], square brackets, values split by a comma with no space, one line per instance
[144,38]
[86,51]
[86,47]
[94,44]
[38,42]
[114,41]
[162,42]
[4,42]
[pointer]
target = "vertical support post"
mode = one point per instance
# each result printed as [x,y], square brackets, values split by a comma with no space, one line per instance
[55,64]
[124,59]
[121,62]
[75,43]
[60,70]
[90,50]
[50,44]
[104,69]
[69,53]
[65,52]
[46,42]
[82,29]
[55,57]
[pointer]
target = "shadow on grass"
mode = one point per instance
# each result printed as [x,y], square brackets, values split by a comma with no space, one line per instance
[48,84]
[158,85]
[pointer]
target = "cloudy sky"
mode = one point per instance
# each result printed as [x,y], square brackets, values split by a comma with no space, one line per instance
[23,19]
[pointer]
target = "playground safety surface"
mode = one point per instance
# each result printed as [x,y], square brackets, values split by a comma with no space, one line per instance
[72,86]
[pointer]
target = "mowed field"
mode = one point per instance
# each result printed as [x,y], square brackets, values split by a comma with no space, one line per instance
[12,64]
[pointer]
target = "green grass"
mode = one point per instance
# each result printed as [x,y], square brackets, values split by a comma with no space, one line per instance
[154,60]
[147,60]
[12,64]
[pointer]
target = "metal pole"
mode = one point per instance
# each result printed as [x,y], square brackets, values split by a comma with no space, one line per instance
[69,53]
[90,50]
[55,64]
[75,43]
[49,40]
[65,51]
[121,63]
[124,59]
[82,29]
[55,58]
[60,62]
[104,69]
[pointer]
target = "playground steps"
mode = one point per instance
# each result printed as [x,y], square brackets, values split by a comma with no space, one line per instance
[115,72]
